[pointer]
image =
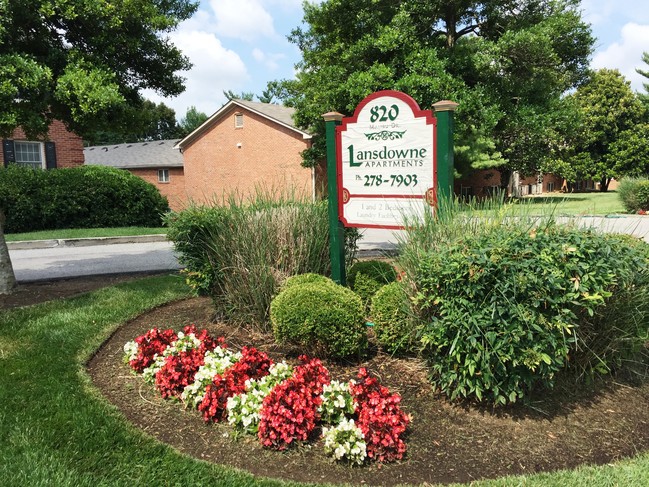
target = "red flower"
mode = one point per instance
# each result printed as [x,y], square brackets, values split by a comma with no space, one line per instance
[151,343]
[290,412]
[252,365]
[380,418]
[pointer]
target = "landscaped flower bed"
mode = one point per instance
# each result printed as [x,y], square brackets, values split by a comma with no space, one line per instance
[280,404]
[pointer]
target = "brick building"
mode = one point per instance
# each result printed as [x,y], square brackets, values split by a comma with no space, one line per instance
[59,148]
[157,162]
[245,145]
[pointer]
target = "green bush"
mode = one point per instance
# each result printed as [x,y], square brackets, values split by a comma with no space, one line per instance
[366,277]
[240,253]
[324,318]
[634,194]
[83,197]
[505,308]
[395,323]
[308,278]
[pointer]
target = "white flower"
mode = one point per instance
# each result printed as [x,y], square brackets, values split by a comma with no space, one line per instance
[130,349]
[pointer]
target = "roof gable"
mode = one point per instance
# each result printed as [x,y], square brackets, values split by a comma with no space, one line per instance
[278,114]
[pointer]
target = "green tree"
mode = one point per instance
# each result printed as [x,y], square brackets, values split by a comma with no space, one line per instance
[504,61]
[609,113]
[77,60]
[191,121]
[644,97]
[244,95]
[139,122]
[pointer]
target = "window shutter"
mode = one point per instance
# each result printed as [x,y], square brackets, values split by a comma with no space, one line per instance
[50,155]
[8,151]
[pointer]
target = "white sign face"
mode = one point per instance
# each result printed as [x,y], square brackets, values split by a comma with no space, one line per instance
[386,162]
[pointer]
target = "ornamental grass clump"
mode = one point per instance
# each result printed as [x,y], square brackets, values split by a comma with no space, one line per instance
[240,252]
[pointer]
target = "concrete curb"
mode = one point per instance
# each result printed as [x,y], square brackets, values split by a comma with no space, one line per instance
[83,242]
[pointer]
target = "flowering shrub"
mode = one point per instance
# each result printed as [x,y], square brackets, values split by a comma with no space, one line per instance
[243,409]
[337,402]
[216,362]
[253,364]
[345,441]
[380,418]
[281,405]
[178,372]
[290,412]
[141,352]
[183,359]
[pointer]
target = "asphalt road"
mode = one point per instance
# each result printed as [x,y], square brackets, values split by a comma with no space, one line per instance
[63,259]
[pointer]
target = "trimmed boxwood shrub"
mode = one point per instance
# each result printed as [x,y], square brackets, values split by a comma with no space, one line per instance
[308,278]
[323,317]
[394,319]
[81,197]
[505,309]
[366,277]
[634,194]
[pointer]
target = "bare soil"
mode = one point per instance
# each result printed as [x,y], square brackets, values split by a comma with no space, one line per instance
[447,442]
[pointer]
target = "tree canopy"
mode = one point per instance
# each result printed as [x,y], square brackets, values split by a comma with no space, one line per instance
[608,139]
[506,62]
[77,60]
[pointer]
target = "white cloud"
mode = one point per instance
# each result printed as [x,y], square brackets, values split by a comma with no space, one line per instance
[269,61]
[215,69]
[626,54]
[242,19]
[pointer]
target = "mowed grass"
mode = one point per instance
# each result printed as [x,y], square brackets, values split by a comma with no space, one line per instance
[56,429]
[594,203]
[85,233]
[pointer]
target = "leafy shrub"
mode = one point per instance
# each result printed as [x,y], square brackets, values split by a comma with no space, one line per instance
[368,276]
[240,253]
[394,319]
[82,197]
[308,278]
[634,194]
[505,308]
[325,318]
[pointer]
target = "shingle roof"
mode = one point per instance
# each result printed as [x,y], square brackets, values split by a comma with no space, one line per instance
[156,153]
[278,113]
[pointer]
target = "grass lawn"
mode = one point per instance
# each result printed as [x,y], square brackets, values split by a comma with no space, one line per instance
[84,233]
[55,428]
[594,203]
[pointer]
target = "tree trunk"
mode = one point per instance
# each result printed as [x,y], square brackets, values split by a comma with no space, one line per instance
[7,277]
[603,184]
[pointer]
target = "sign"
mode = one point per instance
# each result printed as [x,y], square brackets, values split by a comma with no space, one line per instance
[386,162]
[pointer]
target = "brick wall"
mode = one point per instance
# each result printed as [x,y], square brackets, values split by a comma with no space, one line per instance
[174,190]
[228,159]
[69,146]
[481,183]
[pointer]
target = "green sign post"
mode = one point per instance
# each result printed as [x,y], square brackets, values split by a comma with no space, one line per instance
[336,229]
[444,113]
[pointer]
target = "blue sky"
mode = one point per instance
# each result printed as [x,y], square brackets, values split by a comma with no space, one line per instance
[240,45]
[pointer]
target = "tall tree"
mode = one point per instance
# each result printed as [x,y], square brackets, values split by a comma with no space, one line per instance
[76,60]
[504,61]
[609,113]
[644,97]
[191,121]
[139,122]
[244,95]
